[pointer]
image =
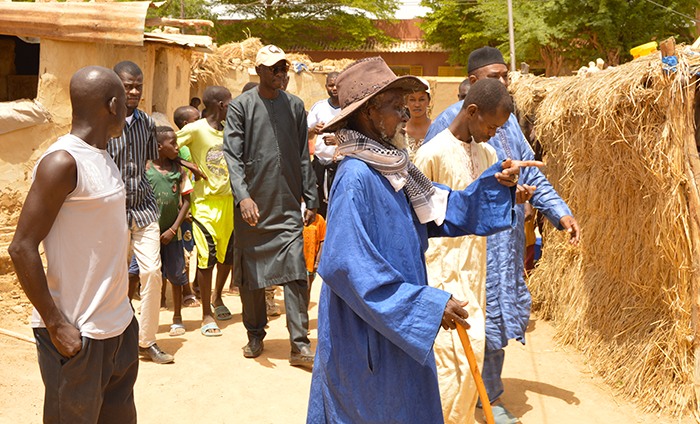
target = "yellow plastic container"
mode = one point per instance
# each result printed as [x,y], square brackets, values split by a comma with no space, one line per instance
[644,49]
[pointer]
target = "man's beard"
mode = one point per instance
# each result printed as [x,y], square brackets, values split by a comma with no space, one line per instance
[398,141]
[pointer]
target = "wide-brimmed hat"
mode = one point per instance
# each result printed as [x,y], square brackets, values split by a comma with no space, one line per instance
[364,79]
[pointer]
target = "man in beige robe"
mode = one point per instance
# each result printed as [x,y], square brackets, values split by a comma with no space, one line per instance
[455,158]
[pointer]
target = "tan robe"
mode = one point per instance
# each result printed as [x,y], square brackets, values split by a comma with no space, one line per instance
[457,265]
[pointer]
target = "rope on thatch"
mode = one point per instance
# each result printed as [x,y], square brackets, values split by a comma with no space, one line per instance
[618,153]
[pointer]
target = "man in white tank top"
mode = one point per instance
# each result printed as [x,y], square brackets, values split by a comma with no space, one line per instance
[86,334]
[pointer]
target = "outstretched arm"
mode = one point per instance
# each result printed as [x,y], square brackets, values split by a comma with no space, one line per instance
[55,178]
[485,207]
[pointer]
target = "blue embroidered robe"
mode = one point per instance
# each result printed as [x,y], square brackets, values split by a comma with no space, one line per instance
[377,316]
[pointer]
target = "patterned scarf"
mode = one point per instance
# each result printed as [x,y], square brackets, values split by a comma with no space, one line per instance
[428,201]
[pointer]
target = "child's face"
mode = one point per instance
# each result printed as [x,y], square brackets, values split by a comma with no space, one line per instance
[168,147]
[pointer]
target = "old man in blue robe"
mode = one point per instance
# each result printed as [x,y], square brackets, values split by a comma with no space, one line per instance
[377,316]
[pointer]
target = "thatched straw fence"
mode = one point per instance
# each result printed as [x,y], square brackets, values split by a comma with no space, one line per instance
[621,151]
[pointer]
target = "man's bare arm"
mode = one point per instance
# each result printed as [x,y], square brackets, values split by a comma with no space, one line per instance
[55,178]
[192,167]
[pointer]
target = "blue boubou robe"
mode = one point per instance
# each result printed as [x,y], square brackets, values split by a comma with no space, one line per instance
[377,316]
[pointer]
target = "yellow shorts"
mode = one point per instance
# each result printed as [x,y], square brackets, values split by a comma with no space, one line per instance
[213,230]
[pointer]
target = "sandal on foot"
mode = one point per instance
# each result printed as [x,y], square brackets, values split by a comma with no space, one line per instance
[502,416]
[221,312]
[176,330]
[210,330]
[193,301]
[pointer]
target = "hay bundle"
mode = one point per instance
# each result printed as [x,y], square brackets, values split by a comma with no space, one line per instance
[299,57]
[617,155]
[211,67]
[250,47]
[335,64]
[207,67]
[230,51]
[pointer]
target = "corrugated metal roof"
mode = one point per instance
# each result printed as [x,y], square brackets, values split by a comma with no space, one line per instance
[405,46]
[117,23]
[201,43]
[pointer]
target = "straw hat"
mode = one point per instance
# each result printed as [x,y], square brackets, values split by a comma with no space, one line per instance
[364,79]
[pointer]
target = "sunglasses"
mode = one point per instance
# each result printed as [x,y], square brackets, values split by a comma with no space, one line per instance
[277,69]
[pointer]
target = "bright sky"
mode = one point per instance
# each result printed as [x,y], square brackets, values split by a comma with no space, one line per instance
[411,9]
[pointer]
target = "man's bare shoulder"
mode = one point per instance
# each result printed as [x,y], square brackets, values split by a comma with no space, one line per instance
[59,162]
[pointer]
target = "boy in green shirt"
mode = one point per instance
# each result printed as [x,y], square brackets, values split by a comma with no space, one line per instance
[170,183]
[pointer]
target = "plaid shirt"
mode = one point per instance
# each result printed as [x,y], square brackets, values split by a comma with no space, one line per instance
[130,152]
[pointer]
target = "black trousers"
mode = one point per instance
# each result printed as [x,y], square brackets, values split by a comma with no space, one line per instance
[94,386]
[325,172]
[296,300]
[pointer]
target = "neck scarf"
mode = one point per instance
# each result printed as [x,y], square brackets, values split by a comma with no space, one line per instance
[428,202]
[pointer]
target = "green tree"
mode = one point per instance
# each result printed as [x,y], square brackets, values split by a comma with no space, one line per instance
[312,23]
[554,32]
[613,27]
[184,9]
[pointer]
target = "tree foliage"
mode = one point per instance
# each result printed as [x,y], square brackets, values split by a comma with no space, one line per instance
[556,31]
[311,23]
[187,9]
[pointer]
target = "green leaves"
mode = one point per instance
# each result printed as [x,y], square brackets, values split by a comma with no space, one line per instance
[565,32]
[314,24]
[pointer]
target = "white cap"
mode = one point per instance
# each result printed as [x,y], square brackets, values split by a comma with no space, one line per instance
[269,55]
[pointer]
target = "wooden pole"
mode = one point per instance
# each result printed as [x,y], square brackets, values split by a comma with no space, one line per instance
[179,22]
[17,336]
[474,367]
[511,35]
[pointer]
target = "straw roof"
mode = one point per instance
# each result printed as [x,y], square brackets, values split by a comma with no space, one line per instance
[616,152]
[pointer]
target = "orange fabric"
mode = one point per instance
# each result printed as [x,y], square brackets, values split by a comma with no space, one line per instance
[314,234]
[312,146]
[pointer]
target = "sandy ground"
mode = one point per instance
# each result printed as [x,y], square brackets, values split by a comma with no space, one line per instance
[211,382]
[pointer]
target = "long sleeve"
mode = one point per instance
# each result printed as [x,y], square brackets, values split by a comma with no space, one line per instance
[310,193]
[485,207]
[545,199]
[234,145]
[378,270]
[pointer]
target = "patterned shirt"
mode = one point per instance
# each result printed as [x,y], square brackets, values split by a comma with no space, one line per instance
[130,152]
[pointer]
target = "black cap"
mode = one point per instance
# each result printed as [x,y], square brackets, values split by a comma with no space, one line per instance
[483,57]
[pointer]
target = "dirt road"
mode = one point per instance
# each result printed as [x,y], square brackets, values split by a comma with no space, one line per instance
[211,382]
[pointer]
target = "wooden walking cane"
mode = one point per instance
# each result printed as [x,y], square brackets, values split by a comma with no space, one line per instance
[475,372]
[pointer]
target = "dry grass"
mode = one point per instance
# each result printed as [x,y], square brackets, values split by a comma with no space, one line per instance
[211,67]
[335,64]
[615,144]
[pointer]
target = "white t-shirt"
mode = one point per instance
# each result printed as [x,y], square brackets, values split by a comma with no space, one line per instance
[86,248]
[322,111]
